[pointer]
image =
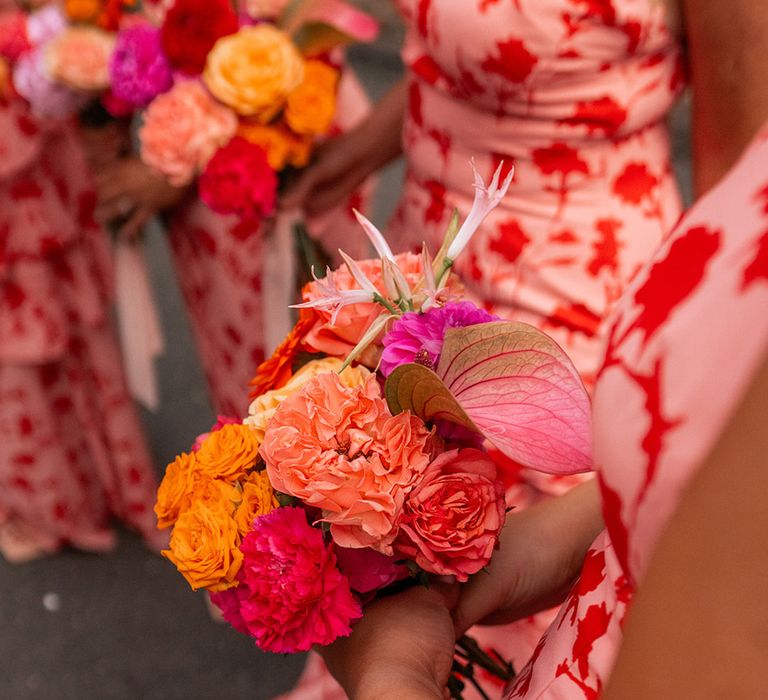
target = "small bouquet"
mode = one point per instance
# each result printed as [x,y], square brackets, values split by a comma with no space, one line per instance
[364,461]
[234,99]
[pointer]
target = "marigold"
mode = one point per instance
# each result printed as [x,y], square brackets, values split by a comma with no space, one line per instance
[309,108]
[253,70]
[173,494]
[204,547]
[227,453]
[258,498]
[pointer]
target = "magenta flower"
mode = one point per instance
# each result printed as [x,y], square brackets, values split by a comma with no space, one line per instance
[421,334]
[367,570]
[291,593]
[139,70]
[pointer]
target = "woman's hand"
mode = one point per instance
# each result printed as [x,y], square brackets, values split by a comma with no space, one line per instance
[128,189]
[402,648]
[341,164]
[541,553]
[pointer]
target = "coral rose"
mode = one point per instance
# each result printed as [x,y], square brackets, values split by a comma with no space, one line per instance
[352,321]
[262,409]
[173,494]
[238,180]
[204,547]
[79,58]
[282,146]
[182,129]
[190,30]
[309,109]
[452,518]
[291,594]
[228,453]
[254,70]
[258,498]
[339,449]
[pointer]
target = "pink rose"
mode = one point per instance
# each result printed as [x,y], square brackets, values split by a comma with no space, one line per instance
[182,129]
[340,450]
[452,518]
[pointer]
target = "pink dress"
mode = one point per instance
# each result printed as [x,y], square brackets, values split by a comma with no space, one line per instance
[666,390]
[219,266]
[73,452]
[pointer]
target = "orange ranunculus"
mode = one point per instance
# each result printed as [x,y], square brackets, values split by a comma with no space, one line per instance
[282,146]
[205,547]
[82,10]
[254,70]
[258,498]
[275,371]
[173,494]
[228,453]
[263,407]
[309,108]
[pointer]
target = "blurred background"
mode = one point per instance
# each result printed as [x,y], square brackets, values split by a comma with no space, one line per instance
[125,626]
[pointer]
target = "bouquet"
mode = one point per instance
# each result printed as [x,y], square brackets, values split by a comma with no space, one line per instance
[364,462]
[234,99]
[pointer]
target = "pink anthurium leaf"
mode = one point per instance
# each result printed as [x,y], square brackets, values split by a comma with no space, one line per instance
[516,386]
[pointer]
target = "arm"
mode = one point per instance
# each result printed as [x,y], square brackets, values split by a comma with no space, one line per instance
[699,624]
[726,45]
[341,164]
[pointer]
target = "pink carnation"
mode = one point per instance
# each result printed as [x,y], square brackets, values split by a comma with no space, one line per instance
[239,180]
[291,594]
[182,129]
[340,450]
[139,70]
[452,518]
[229,603]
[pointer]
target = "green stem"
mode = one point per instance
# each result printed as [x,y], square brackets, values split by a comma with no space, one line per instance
[389,307]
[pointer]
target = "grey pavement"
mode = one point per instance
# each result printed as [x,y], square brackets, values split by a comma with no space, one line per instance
[125,626]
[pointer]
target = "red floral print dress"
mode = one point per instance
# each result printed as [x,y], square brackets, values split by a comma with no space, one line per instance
[73,454]
[666,389]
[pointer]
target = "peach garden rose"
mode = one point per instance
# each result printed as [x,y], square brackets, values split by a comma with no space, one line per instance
[79,58]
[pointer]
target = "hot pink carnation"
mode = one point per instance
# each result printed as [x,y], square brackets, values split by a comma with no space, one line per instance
[452,518]
[182,129]
[239,180]
[341,450]
[352,321]
[291,594]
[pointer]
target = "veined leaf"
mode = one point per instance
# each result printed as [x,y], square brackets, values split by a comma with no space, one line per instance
[514,385]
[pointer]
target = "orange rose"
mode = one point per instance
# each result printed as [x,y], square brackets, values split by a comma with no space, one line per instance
[258,498]
[205,547]
[173,495]
[82,10]
[254,70]
[309,109]
[227,453]
[215,493]
[282,146]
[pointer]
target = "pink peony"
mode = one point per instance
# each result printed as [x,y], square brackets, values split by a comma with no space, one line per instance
[420,335]
[139,70]
[368,570]
[352,321]
[239,180]
[291,594]
[452,518]
[182,129]
[341,450]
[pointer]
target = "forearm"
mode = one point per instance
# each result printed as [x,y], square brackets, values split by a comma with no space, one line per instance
[383,128]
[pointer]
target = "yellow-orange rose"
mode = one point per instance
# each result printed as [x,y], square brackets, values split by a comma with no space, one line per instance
[228,452]
[215,493]
[282,146]
[258,498]
[173,494]
[205,547]
[79,57]
[309,109]
[263,407]
[253,70]
[82,10]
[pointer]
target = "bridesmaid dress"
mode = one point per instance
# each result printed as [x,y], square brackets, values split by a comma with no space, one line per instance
[73,454]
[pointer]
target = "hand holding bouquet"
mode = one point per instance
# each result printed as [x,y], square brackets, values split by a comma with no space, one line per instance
[363,461]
